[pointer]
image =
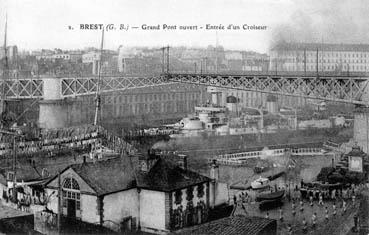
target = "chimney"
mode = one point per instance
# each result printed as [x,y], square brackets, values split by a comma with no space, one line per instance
[183,161]
[147,161]
[214,176]
[214,170]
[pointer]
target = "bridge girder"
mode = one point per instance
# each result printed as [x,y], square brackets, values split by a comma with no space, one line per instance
[340,89]
[27,88]
[334,88]
[72,87]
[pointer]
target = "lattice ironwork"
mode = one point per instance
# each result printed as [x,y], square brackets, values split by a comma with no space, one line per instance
[72,87]
[22,88]
[340,89]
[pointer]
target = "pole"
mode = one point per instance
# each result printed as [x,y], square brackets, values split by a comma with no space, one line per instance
[163,60]
[14,167]
[97,97]
[317,68]
[168,59]
[59,203]
[201,66]
[305,61]
[5,71]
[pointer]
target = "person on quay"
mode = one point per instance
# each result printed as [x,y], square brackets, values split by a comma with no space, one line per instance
[304,225]
[311,200]
[321,199]
[344,206]
[326,213]
[289,229]
[301,206]
[280,214]
[313,219]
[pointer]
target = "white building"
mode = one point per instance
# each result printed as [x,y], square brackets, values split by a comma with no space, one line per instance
[158,197]
[314,57]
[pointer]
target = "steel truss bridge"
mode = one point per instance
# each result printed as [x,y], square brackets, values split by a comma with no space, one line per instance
[348,89]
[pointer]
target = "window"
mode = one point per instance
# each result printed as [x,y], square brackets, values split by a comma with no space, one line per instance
[200,190]
[189,193]
[10,176]
[178,197]
[70,183]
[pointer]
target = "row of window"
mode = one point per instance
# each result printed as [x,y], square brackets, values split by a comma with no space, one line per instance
[329,54]
[148,97]
[143,108]
[328,68]
[313,60]
[189,194]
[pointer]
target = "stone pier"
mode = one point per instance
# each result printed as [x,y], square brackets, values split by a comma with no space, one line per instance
[54,110]
[361,127]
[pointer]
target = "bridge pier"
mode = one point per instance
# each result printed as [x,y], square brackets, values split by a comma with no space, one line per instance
[53,111]
[361,127]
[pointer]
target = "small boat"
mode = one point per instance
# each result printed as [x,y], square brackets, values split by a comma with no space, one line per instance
[274,196]
[260,183]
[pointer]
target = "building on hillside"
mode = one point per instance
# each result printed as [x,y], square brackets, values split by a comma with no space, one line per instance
[109,59]
[11,51]
[320,58]
[158,196]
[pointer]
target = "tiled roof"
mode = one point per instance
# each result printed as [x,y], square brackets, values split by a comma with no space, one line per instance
[319,46]
[233,225]
[167,176]
[118,174]
[31,169]
[107,176]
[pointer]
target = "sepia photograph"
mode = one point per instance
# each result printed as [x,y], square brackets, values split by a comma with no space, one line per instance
[181,117]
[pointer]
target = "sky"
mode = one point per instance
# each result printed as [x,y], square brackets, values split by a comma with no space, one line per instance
[36,24]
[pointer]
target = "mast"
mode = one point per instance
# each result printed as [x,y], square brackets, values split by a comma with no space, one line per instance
[97,97]
[216,51]
[5,70]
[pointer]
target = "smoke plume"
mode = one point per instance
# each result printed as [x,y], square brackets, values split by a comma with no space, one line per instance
[328,21]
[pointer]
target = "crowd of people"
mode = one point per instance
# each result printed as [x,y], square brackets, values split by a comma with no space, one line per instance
[307,209]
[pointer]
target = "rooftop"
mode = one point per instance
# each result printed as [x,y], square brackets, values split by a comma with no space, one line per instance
[320,46]
[233,225]
[121,173]
[167,176]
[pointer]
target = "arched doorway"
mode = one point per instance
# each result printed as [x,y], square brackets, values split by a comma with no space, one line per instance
[71,198]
